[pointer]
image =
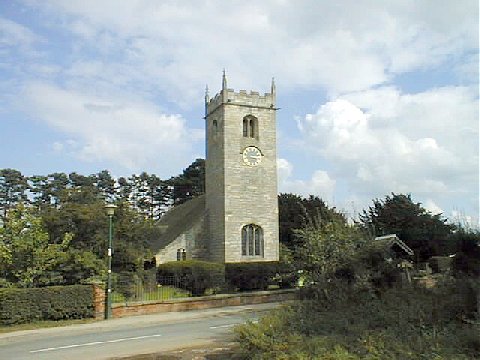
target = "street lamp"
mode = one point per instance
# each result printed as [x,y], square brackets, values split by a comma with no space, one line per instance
[110,209]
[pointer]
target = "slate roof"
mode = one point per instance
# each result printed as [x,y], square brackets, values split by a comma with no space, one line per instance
[178,220]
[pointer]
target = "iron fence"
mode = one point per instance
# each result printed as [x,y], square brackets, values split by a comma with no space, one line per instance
[166,288]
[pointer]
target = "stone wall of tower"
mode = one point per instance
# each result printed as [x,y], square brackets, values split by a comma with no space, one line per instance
[215,186]
[238,194]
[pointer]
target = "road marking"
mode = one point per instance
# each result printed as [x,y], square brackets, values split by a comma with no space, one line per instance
[222,326]
[95,343]
[254,321]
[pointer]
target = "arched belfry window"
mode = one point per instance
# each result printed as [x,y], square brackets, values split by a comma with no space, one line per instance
[215,126]
[250,126]
[252,240]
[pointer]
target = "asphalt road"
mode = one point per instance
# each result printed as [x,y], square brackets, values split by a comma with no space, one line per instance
[128,336]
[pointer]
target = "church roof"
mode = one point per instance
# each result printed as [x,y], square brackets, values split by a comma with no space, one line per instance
[178,220]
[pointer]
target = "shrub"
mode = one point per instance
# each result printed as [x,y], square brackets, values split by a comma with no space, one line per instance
[345,323]
[19,306]
[192,275]
[251,275]
[126,282]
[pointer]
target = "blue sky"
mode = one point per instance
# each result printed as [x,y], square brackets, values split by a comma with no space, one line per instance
[375,97]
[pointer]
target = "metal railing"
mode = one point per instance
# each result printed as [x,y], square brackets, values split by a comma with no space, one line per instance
[138,291]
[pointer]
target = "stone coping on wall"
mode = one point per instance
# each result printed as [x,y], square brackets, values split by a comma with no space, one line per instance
[203,302]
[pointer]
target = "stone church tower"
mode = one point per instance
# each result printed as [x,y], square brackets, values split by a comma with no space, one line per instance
[241,206]
[237,219]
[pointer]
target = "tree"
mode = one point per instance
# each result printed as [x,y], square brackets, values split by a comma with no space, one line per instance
[28,259]
[57,185]
[38,187]
[105,185]
[13,188]
[326,247]
[295,212]
[153,196]
[124,190]
[190,183]
[424,233]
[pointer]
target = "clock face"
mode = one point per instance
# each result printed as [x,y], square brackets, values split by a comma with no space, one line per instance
[252,156]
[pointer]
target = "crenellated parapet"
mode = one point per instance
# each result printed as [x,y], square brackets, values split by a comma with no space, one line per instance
[241,98]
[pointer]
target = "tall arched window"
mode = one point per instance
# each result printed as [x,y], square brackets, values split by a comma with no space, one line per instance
[215,127]
[252,240]
[250,126]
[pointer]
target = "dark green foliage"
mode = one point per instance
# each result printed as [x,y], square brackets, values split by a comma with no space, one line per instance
[19,306]
[343,322]
[68,243]
[440,264]
[125,283]
[295,212]
[192,275]
[13,191]
[287,273]
[148,194]
[467,258]
[353,306]
[251,275]
[426,234]
[190,183]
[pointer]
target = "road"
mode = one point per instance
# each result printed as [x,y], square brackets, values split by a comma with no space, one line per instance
[128,336]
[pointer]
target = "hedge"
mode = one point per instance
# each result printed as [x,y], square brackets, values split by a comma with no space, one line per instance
[198,276]
[192,275]
[252,275]
[18,306]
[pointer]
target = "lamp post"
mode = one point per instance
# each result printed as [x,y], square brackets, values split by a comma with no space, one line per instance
[110,209]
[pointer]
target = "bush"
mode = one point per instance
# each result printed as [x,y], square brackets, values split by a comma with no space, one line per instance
[126,282]
[192,275]
[19,306]
[251,275]
[346,323]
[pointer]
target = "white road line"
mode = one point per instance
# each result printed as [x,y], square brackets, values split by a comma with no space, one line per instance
[230,325]
[95,343]
[222,326]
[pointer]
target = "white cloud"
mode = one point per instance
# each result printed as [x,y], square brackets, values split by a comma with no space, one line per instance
[15,35]
[130,134]
[321,184]
[284,171]
[180,45]
[425,144]
[118,58]
[57,147]
[433,208]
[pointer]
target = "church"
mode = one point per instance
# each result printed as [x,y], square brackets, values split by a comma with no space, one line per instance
[237,218]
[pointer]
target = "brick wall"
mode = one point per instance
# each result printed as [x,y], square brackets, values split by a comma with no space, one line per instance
[98,302]
[205,302]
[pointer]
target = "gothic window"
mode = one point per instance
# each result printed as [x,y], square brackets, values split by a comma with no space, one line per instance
[181,255]
[250,126]
[215,127]
[252,240]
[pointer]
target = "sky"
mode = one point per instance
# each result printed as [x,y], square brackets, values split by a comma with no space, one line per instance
[376,97]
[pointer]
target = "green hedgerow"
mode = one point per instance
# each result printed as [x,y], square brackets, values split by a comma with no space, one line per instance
[18,306]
